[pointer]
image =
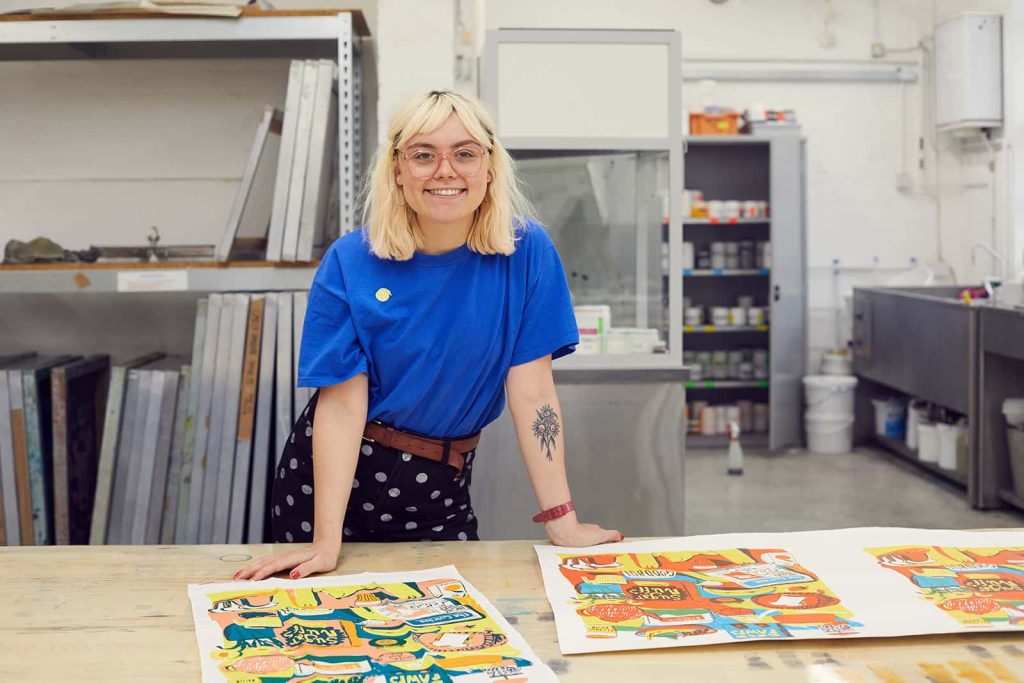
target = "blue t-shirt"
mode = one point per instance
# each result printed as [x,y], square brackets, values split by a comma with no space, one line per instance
[437,334]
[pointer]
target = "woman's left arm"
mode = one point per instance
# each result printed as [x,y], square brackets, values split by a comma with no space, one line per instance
[539,429]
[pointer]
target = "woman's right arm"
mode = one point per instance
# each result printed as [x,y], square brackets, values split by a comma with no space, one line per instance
[337,433]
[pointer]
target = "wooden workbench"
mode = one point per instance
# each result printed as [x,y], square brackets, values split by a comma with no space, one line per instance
[121,613]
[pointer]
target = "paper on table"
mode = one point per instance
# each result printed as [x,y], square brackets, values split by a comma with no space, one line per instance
[403,626]
[701,590]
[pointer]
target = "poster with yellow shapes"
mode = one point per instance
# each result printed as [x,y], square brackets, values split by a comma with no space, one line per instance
[975,586]
[731,588]
[428,626]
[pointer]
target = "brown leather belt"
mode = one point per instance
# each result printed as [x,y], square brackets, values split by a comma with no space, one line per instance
[444,451]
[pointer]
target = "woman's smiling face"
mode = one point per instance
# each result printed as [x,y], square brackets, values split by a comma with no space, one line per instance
[454,191]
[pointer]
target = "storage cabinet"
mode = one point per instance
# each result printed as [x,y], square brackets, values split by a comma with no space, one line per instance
[751,261]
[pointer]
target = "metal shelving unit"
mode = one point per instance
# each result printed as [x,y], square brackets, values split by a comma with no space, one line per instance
[897,447]
[726,272]
[110,278]
[84,301]
[722,329]
[765,167]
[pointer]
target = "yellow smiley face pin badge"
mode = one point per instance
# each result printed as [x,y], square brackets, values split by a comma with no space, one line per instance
[383,294]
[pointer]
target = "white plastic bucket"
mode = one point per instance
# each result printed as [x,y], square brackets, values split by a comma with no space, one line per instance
[927,442]
[836,363]
[830,395]
[829,434]
[890,418]
[1013,410]
[948,435]
[916,415]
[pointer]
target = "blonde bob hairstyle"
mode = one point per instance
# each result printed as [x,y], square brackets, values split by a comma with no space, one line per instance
[392,226]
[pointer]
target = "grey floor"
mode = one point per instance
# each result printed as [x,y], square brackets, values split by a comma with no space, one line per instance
[802,491]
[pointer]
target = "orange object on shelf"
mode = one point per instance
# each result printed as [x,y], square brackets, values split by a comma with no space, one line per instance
[726,123]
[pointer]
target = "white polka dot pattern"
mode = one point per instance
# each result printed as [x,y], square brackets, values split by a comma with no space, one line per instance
[421,477]
[381,477]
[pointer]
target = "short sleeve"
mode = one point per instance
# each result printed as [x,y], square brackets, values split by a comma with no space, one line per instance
[330,352]
[548,326]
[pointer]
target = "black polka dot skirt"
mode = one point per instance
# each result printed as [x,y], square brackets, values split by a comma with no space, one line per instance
[395,496]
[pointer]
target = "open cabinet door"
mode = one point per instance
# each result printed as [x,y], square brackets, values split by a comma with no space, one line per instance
[788,293]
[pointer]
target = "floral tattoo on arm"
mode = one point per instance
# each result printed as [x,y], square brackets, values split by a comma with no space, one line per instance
[546,428]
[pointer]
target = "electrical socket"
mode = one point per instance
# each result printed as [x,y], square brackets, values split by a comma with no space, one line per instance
[877,49]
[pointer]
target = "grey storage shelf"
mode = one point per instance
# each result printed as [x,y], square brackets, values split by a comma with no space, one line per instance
[765,167]
[727,222]
[755,440]
[81,304]
[104,278]
[726,272]
[727,384]
[897,447]
[722,329]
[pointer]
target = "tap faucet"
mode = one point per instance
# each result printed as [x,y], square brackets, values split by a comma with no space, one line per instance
[991,252]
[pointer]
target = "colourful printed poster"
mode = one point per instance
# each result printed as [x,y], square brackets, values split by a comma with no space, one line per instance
[976,586]
[427,626]
[705,590]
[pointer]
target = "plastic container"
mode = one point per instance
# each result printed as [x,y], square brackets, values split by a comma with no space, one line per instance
[917,413]
[927,442]
[948,435]
[1015,442]
[1013,411]
[725,123]
[829,434]
[836,363]
[830,395]
[890,418]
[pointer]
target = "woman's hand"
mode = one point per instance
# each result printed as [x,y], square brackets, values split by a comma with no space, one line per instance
[567,531]
[318,557]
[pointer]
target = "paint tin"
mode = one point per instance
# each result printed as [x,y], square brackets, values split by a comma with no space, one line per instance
[746,415]
[721,420]
[719,315]
[732,209]
[761,417]
[708,421]
[716,209]
[751,210]
[688,255]
[694,316]
[764,254]
[746,255]
[746,371]
[737,316]
[755,316]
[745,301]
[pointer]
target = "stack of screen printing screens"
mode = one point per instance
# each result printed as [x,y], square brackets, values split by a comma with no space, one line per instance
[157,449]
[293,197]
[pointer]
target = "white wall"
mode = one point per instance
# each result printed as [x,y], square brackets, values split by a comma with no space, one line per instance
[859,135]
[96,152]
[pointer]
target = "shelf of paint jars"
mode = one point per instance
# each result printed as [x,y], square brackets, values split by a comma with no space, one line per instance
[718,329]
[755,441]
[728,384]
[727,221]
[726,272]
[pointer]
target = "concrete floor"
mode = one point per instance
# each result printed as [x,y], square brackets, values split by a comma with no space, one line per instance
[801,491]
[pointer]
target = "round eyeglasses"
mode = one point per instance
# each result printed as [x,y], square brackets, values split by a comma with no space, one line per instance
[423,163]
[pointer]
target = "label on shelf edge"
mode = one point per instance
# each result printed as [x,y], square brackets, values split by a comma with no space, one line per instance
[152,281]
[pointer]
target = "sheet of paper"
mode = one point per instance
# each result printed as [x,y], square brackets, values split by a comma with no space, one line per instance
[401,627]
[849,583]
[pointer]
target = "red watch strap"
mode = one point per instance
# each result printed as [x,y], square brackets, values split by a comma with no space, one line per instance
[554,513]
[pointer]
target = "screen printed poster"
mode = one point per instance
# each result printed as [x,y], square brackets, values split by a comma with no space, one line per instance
[705,590]
[428,626]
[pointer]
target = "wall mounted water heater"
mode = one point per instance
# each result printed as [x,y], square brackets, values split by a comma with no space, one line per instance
[969,71]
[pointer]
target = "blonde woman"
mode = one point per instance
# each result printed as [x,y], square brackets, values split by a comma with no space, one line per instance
[417,327]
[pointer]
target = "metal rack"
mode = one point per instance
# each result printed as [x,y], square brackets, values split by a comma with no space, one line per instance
[767,167]
[59,293]
[255,33]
